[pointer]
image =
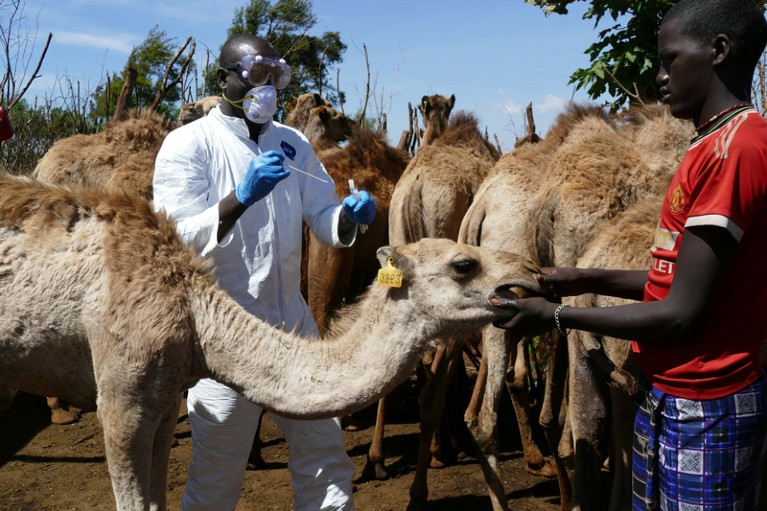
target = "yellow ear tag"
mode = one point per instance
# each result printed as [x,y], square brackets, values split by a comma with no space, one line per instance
[390,276]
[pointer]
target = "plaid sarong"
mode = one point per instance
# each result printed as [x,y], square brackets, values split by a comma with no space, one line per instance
[699,455]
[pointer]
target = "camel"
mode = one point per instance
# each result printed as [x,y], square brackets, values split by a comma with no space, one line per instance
[197,109]
[602,168]
[298,109]
[605,366]
[120,157]
[338,274]
[430,200]
[497,218]
[435,112]
[326,127]
[102,302]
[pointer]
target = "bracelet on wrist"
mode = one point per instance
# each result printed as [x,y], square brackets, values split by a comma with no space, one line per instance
[556,318]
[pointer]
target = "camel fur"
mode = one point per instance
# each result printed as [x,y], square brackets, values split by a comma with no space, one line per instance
[298,109]
[435,112]
[605,366]
[601,170]
[338,274]
[198,109]
[119,157]
[99,297]
[430,200]
[497,218]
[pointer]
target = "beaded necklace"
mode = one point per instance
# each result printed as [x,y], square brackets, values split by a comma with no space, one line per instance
[709,122]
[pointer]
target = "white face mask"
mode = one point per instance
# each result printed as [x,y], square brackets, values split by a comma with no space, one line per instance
[259,104]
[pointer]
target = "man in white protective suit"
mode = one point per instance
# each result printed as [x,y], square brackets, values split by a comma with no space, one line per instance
[236,184]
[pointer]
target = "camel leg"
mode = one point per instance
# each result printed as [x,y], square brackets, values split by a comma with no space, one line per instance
[555,410]
[62,413]
[589,421]
[163,441]
[6,397]
[484,427]
[477,396]
[622,415]
[255,460]
[519,390]
[128,445]
[432,403]
[374,468]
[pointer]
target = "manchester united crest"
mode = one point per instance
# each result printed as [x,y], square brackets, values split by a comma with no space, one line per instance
[678,200]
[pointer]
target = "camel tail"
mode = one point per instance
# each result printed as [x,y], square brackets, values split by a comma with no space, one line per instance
[541,229]
[413,215]
[471,226]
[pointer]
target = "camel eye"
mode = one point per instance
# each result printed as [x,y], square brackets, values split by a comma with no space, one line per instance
[464,266]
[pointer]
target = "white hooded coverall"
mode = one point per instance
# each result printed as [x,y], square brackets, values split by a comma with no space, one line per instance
[258,263]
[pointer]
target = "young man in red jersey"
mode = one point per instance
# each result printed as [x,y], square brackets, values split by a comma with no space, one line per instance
[699,434]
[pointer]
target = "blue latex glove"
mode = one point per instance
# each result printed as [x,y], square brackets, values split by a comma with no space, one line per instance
[360,209]
[264,172]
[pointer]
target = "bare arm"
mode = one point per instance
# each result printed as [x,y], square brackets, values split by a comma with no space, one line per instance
[229,210]
[703,258]
[577,281]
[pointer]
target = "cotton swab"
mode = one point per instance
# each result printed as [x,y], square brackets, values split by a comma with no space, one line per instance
[305,172]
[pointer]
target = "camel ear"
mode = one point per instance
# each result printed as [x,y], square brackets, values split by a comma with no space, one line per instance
[399,260]
[424,104]
[384,253]
[318,101]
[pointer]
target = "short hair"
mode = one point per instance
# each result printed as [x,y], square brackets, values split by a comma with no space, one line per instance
[230,49]
[741,20]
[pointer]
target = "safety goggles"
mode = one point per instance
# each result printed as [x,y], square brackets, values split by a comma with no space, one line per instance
[256,70]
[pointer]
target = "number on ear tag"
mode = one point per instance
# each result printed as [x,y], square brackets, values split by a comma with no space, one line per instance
[390,276]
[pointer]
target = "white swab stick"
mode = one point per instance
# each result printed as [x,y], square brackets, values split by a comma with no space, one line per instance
[305,172]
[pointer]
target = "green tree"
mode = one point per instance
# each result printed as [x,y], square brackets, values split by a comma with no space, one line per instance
[624,59]
[285,24]
[150,59]
[35,129]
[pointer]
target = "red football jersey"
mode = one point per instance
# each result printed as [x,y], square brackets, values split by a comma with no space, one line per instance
[722,181]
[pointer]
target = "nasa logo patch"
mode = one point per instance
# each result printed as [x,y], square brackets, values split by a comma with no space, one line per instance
[288,149]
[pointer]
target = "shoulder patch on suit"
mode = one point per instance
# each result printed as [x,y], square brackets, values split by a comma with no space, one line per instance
[288,149]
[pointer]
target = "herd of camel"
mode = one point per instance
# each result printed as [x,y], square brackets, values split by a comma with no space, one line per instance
[102,306]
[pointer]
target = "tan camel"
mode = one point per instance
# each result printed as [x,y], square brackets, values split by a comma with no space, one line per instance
[314,116]
[338,274]
[120,157]
[197,109]
[498,219]
[101,298]
[430,200]
[435,112]
[298,109]
[326,127]
[601,169]
[605,366]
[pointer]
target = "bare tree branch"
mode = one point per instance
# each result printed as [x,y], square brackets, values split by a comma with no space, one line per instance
[130,82]
[34,74]
[367,85]
[164,84]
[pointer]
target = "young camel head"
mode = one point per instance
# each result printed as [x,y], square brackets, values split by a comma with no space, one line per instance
[456,282]
[435,112]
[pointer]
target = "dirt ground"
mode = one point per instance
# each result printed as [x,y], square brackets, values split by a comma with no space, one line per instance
[44,467]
